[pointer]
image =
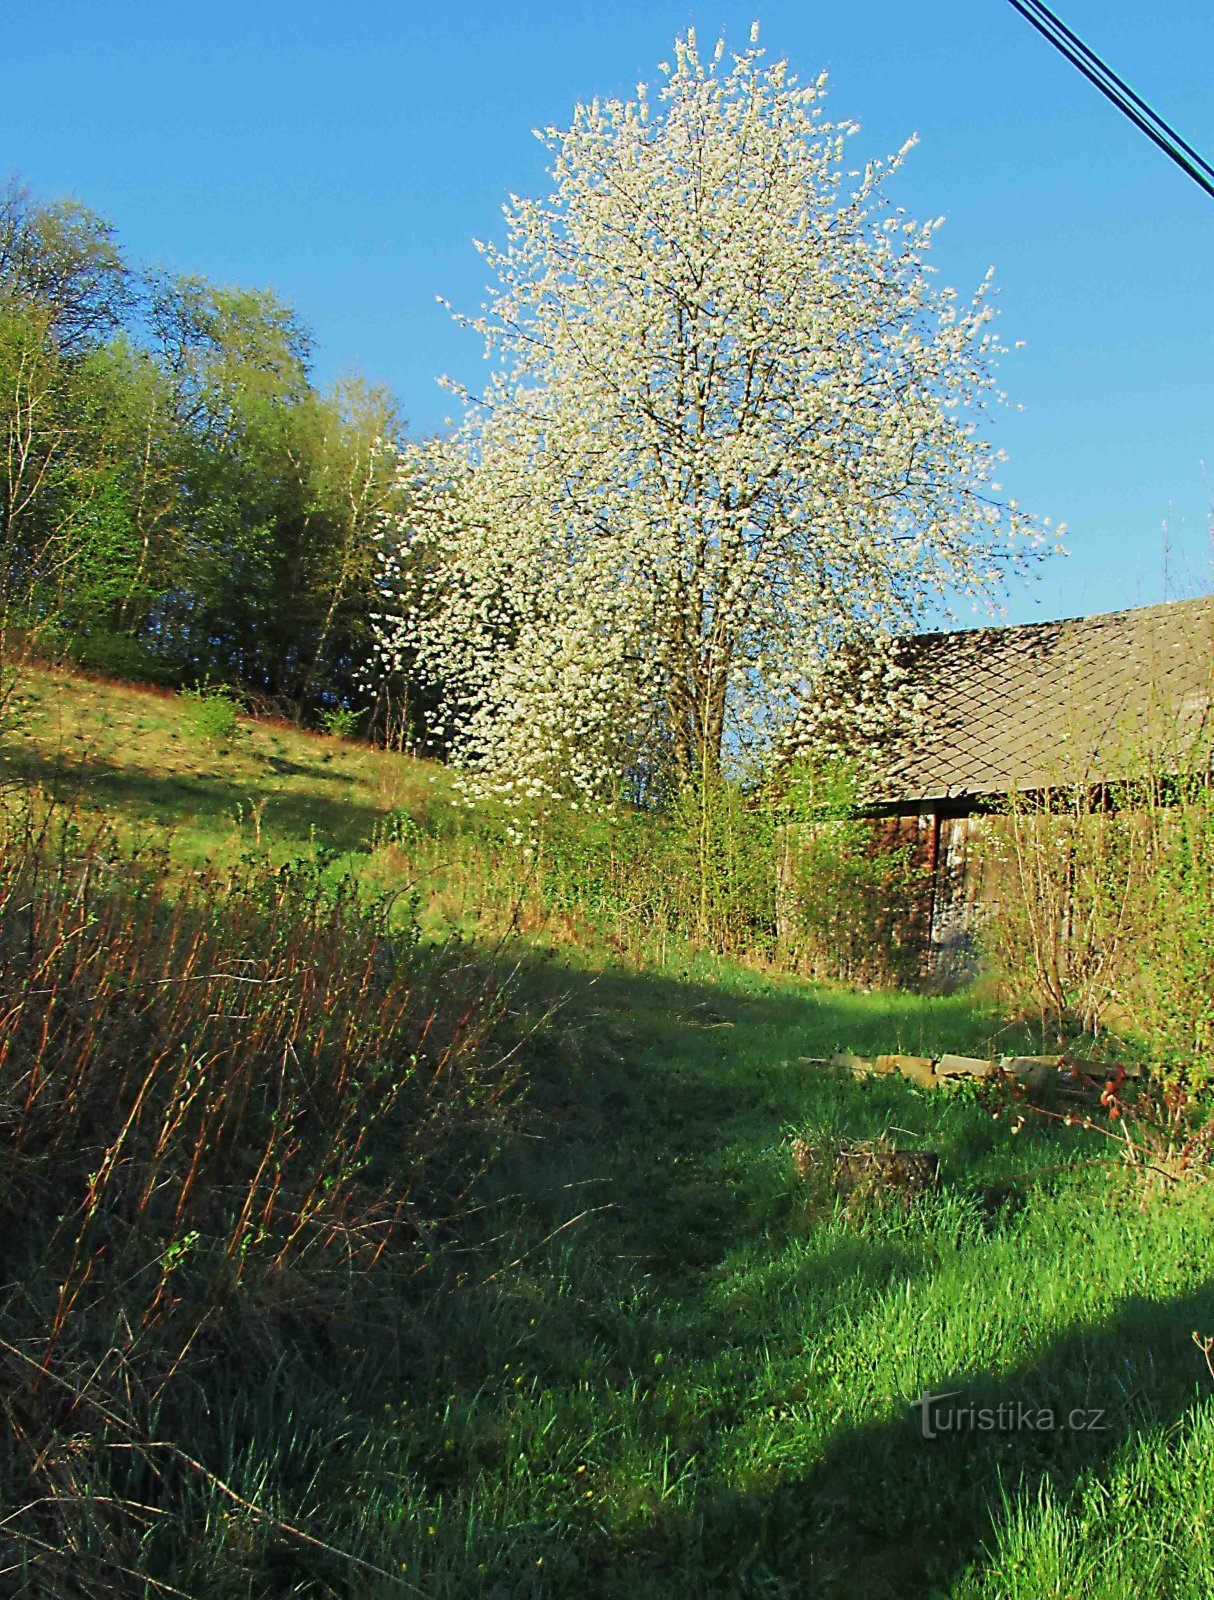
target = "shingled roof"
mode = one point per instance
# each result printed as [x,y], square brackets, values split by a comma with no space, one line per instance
[1026,708]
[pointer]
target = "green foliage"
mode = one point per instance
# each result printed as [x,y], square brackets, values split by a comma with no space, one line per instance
[726,835]
[64,259]
[1103,907]
[1171,990]
[855,893]
[112,655]
[798,880]
[210,713]
[341,722]
[174,477]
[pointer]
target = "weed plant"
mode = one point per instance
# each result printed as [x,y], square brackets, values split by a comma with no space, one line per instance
[210,714]
[229,1105]
[1103,903]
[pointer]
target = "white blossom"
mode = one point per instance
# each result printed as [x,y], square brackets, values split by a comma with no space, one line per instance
[728,430]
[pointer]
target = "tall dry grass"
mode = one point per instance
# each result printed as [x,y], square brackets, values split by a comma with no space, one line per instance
[226,1105]
[1104,897]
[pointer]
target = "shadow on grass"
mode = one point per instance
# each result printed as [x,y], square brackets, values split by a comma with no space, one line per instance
[892,1514]
[195,800]
[663,1105]
[660,1105]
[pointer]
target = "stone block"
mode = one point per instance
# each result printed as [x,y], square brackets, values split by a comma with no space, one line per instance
[948,1066]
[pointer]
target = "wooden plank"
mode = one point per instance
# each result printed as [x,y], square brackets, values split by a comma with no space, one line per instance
[948,1066]
[918,1069]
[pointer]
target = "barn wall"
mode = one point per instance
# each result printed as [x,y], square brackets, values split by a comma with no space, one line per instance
[933,927]
[961,891]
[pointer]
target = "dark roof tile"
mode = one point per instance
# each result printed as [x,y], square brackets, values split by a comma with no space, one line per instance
[1050,702]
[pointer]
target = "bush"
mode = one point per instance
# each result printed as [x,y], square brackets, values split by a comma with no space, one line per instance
[702,870]
[1069,879]
[1104,904]
[119,655]
[852,908]
[210,713]
[829,894]
[853,887]
[341,722]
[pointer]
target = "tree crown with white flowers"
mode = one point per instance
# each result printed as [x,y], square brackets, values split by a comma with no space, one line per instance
[729,431]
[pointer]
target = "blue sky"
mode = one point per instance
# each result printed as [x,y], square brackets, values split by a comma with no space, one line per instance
[349,157]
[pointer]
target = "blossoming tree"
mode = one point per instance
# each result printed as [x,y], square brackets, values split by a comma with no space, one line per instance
[729,428]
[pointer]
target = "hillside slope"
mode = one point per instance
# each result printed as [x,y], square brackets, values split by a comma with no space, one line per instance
[625,1349]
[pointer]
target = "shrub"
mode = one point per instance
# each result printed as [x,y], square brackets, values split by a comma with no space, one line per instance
[1104,903]
[720,866]
[1070,879]
[852,905]
[701,870]
[118,655]
[341,721]
[852,886]
[210,713]
[225,1105]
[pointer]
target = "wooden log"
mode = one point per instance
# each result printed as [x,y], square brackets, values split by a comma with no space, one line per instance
[918,1069]
[948,1066]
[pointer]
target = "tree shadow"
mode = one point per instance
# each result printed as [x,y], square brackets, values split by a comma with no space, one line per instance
[188,799]
[902,1506]
[885,1513]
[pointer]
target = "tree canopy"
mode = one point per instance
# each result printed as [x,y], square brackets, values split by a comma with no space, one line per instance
[729,428]
[178,500]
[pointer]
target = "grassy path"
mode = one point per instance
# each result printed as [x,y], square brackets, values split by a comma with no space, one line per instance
[704,1385]
[670,1370]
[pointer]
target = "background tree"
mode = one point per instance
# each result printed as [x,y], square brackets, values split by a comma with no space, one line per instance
[64,288]
[236,361]
[68,541]
[178,500]
[65,260]
[283,487]
[355,439]
[729,428]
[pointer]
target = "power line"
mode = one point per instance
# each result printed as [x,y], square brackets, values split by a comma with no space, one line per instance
[1118,91]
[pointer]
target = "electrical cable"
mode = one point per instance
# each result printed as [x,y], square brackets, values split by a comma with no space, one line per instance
[1115,89]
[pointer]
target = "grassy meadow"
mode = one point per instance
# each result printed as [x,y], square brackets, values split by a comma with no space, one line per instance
[532,1301]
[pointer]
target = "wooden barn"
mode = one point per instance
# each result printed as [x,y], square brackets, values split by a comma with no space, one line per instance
[1045,706]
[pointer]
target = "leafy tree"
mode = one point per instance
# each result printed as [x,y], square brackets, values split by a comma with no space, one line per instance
[64,287]
[283,488]
[236,364]
[177,499]
[357,433]
[728,429]
[63,259]
[65,523]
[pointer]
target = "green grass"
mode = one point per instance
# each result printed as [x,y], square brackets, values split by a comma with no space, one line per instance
[653,1362]
[134,754]
[706,1384]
